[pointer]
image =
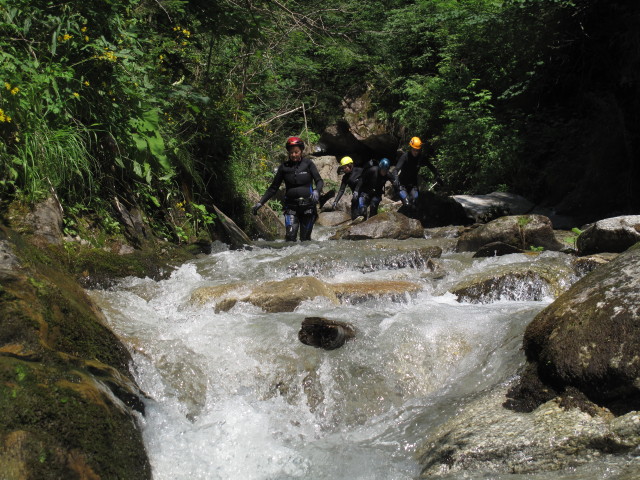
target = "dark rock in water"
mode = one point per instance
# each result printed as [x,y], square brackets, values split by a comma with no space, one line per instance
[496,249]
[323,333]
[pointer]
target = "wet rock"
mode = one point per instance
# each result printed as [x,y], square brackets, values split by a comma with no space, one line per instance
[384,225]
[266,224]
[484,208]
[357,292]
[496,249]
[520,282]
[523,231]
[589,338]
[67,398]
[610,235]
[584,265]
[486,439]
[331,219]
[323,333]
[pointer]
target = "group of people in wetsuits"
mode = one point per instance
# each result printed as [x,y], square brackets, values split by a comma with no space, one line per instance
[303,185]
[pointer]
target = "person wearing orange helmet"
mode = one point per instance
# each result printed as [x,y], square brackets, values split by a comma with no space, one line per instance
[408,168]
[299,175]
[350,178]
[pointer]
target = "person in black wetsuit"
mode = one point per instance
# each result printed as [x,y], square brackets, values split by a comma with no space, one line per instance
[350,178]
[408,168]
[299,174]
[371,187]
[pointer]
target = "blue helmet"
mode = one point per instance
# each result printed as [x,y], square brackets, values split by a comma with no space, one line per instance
[384,164]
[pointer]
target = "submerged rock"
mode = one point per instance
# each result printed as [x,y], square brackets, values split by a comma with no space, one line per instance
[323,333]
[517,281]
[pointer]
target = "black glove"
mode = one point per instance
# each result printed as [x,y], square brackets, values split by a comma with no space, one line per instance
[334,205]
[255,208]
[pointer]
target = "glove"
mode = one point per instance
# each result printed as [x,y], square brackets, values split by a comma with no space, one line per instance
[255,208]
[334,205]
[315,196]
[355,195]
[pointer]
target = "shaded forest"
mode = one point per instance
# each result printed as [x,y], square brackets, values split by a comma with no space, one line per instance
[172,106]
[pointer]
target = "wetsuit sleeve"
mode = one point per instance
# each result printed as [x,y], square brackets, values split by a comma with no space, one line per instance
[401,162]
[316,177]
[343,186]
[273,188]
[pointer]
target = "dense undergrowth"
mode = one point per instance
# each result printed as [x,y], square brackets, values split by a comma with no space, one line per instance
[172,106]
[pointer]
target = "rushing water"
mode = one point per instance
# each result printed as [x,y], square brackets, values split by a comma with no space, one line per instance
[235,395]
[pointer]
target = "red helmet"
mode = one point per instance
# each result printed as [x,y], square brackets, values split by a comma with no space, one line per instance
[294,142]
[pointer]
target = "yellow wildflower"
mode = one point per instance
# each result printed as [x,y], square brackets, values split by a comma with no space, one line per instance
[7,85]
[86,83]
[76,94]
[83,29]
[86,38]
[65,37]
[186,32]
[14,90]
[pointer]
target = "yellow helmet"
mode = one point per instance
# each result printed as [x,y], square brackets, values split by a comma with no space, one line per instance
[346,161]
[416,143]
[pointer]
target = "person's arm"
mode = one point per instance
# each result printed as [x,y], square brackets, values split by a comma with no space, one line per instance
[273,188]
[317,179]
[343,186]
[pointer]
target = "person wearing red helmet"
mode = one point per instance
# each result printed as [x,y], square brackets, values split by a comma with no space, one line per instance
[408,168]
[299,175]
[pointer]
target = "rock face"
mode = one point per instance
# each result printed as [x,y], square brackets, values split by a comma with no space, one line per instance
[384,225]
[45,222]
[520,231]
[66,395]
[589,339]
[610,235]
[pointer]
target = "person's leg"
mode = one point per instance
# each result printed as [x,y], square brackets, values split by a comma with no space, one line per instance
[307,219]
[413,197]
[355,208]
[373,209]
[291,225]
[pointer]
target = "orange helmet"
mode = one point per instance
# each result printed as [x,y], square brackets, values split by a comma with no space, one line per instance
[416,143]
[294,142]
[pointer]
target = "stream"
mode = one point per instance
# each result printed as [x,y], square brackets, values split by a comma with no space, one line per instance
[236,395]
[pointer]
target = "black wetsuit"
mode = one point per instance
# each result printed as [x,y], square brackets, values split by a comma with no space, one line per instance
[408,167]
[371,189]
[351,180]
[299,208]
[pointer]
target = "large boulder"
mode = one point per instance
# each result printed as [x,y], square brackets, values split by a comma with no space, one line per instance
[383,225]
[267,223]
[485,440]
[67,398]
[436,210]
[520,231]
[610,235]
[589,339]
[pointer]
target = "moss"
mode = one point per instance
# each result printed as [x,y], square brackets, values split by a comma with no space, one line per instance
[66,429]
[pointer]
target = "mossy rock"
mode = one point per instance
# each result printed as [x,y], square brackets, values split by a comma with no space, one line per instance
[67,398]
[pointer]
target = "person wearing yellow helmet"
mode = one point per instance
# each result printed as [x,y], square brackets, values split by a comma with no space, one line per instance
[350,178]
[299,175]
[408,168]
